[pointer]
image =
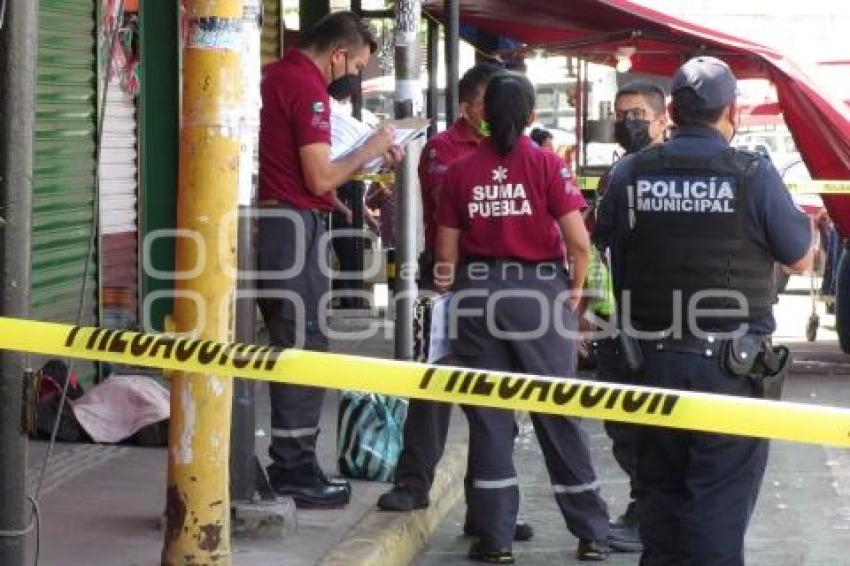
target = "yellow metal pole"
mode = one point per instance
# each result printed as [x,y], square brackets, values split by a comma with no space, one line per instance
[197,502]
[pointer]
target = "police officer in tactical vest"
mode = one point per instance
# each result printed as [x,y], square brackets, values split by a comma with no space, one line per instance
[699,226]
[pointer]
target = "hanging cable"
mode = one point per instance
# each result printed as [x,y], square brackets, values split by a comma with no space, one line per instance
[34,499]
[34,524]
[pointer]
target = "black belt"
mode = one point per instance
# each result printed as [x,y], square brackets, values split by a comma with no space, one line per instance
[707,347]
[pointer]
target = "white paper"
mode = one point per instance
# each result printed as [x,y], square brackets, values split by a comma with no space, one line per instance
[438,345]
[348,134]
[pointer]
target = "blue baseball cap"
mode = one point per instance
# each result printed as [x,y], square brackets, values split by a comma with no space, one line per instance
[709,78]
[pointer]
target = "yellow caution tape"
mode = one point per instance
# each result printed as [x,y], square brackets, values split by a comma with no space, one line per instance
[804,188]
[574,397]
[386,178]
[820,188]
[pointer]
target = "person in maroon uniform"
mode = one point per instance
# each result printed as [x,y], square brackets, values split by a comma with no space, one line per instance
[506,214]
[296,191]
[428,422]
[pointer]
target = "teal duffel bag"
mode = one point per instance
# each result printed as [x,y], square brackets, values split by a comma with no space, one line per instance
[369,435]
[370,427]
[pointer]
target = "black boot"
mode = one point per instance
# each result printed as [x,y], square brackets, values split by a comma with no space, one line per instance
[624,534]
[592,551]
[480,554]
[403,498]
[522,533]
[309,487]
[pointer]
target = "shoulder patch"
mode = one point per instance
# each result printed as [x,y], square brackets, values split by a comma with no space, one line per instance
[318,107]
[565,173]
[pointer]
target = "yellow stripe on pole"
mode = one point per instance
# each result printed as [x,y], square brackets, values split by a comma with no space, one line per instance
[626,403]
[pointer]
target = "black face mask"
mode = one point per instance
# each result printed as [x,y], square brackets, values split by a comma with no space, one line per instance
[346,86]
[632,134]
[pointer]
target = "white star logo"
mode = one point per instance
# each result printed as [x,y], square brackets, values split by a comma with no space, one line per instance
[500,174]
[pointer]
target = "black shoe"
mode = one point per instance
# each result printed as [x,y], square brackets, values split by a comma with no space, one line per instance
[336,482]
[403,498]
[313,491]
[592,551]
[522,533]
[624,533]
[481,554]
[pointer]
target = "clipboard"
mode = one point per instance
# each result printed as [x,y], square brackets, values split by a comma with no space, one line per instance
[406,130]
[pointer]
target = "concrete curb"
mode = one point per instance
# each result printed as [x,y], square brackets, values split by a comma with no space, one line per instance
[394,539]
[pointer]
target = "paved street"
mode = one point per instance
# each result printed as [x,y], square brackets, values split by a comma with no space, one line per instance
[803,514]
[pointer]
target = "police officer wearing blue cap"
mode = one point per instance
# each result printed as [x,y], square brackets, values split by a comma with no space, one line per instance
[697,227]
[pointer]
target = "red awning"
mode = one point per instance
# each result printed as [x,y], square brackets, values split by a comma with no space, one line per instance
[597,28]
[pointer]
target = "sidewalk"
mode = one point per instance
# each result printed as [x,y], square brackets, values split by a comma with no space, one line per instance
[102,505]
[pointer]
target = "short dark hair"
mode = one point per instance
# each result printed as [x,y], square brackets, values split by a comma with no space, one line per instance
[539,135]
[686,109]
[653,94]
[475,78]
[343,29]
[508,104]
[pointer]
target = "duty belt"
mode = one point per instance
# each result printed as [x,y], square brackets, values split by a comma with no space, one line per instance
[751,356]
[707,347]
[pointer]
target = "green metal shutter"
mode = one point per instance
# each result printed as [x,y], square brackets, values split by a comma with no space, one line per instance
[64,183]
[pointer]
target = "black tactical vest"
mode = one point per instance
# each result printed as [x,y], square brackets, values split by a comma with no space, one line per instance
[687,242]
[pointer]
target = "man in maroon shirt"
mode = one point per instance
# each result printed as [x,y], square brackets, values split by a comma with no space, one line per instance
[461,138]
[296,191]
[428,422]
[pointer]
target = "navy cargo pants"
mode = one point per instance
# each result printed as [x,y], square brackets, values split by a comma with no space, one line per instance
[292,285]
[611,368]
[424,443]
[697,490]
[510,321]
[427,424]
